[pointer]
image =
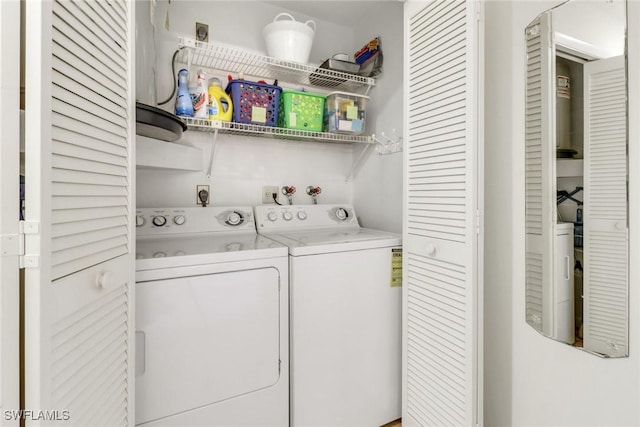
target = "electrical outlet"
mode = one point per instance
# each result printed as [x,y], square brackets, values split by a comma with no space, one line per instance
[202,32]
[199,200]
[268,192]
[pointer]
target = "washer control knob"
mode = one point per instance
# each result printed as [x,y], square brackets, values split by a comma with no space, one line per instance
[159,221]
[179,219]
[234,218]
[288,216]
[272,216]
[140,221]
[302,215]
[341,214]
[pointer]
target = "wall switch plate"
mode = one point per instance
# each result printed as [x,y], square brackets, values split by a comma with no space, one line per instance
[268,192]
[207,201]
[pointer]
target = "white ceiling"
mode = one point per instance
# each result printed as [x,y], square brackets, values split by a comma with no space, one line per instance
[327,10]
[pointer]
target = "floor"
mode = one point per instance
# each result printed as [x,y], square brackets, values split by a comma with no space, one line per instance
[396,423]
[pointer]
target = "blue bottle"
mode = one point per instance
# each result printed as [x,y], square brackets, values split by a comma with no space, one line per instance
[184,106]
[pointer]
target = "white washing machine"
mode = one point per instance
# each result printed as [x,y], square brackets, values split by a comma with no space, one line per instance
[345,312]
[211,320]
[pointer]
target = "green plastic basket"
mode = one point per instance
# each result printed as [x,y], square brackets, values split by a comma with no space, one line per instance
[301,110]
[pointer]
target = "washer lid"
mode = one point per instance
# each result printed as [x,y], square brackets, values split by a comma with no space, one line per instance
[203,248]
[311,242]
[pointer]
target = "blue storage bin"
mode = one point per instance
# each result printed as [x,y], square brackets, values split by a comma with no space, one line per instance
[254,103]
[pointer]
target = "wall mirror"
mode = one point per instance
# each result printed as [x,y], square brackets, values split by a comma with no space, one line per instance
[576,180]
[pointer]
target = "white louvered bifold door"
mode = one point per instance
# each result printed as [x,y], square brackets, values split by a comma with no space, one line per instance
[79,204]
[9,210]
[540,186]
[441,345]
[606,253]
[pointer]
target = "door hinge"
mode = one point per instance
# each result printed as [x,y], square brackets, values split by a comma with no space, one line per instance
[478,223]
[279,366]
[28,260]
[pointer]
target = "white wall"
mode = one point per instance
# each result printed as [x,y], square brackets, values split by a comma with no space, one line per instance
[243,165]
[531,380]
[499,186]
[377,190]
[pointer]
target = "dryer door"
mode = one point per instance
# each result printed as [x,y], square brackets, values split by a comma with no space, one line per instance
[204,339]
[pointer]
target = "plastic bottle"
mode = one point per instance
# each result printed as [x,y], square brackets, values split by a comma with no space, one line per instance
[184,106]
[200,97]
[220,105]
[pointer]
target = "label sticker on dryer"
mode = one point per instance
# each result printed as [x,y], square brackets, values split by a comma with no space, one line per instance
[396,267]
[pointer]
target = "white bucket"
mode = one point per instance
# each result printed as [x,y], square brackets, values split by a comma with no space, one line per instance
[289,40]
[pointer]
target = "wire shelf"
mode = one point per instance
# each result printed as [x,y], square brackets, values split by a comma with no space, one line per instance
[207,125]
[237,61]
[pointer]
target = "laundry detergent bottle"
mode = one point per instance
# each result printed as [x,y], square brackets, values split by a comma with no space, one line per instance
[220,105]
[184,106]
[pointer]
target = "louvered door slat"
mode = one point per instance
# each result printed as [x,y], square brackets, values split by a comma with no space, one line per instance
[90,254]
[88,190]
[606,253]
[90,107]
[428,35]
[109,92]
[92,358]
[69,163]
[444,66]
[61,217]
[87,202]
[119,8]
[85,129]
[100,40]
[87,68]
[436,101]
[87,117]
[104,103]
[445,83]
[103,8]
[439,233]
[78,177]
[85,152]
[101,67]
[86,141]
[67,229]
[99,18]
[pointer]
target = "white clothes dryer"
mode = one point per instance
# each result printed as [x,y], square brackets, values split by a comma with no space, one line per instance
[211,320]
[345,315]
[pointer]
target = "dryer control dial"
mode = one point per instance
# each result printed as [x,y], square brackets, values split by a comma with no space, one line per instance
[341,214]
[159,221]
[302,215]
[140,221]
[179,219]
[272,216]
[234,218]
[288,216]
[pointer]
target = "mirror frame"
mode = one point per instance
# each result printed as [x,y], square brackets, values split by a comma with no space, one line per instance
[541,189]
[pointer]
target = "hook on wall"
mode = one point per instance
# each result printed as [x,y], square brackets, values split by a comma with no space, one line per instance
[388,145]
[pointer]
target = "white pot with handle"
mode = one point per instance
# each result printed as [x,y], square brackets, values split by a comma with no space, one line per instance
[288,39]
